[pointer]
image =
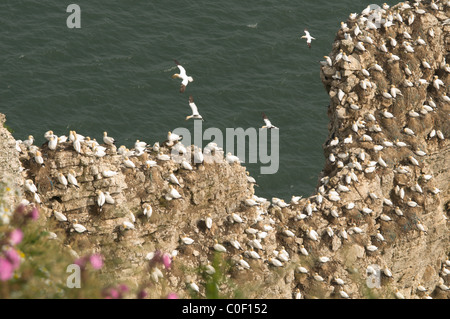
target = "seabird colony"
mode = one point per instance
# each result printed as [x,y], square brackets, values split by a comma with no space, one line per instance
[372,64]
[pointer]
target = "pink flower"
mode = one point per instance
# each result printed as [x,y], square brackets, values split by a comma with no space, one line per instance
[114,294]
[96,261]
[123,288]
[167,260]
[13,257]
[142,294]
[6,269]
[172,295]
[15,237]
[34,214]
[81,262]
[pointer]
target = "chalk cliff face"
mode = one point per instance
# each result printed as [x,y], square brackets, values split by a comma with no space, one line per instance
[371,184]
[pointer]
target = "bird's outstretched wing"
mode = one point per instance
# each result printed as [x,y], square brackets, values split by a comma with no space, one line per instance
[266,120]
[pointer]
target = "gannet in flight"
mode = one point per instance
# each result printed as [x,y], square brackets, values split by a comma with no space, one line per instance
[308,38]
[195,114]
[182,75]
[267,121]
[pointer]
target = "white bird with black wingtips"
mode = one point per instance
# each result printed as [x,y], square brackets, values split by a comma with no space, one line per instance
[308,38]
[183,76]
[267,122]
[195,114]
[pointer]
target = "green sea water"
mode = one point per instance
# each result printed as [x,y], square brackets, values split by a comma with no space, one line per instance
[114,73]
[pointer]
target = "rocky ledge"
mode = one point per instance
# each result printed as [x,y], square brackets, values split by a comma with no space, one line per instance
[376,226]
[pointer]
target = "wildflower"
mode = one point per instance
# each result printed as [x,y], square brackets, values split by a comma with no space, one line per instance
[15,237]
[13,257]
[81,262]
[123,288]
[34,214]
[142,294]
[172,295]
[167,260]
[6,269]
[96,261]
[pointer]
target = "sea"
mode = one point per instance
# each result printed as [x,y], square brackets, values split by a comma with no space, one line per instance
[113,72]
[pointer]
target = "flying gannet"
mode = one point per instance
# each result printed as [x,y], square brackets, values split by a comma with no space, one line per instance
[268,123]
[308,38]
[182,75]
[195,114]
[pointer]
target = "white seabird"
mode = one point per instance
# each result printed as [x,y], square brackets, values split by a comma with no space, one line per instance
[308,38]
[100,199]
[72,179]
[108,139]
[267,122]
[147,210]
[195,114]
[182,75]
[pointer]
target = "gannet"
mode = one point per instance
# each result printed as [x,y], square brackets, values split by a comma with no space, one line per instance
[437,82]
[232,158]
[308,38]
[411,18]
[100,199]
[52,143]
[62,179]
[28,142]
[194,286]
[29,186]
[208,221]
[78,227]
[110,200]
[186,165]
[360,46]
[182,75]
[317,277]
[408,131]
[163,157]
[172,194]
[393,57]
[243,263]
[108,139]
[434,6]
[172,137]
[267,122]
[425,64]
[76,144]
[173,179]
[195,114]
[218,247]
[38,158]
[128,163]
[147,210]
[186,240]
[72,179]
[60,216]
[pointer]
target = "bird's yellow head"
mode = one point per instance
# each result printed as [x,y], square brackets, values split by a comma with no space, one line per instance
[176,75]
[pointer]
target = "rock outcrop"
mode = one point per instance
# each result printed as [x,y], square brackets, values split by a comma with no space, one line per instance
[378,220]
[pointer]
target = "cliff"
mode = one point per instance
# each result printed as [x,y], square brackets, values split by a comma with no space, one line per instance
[371,185]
